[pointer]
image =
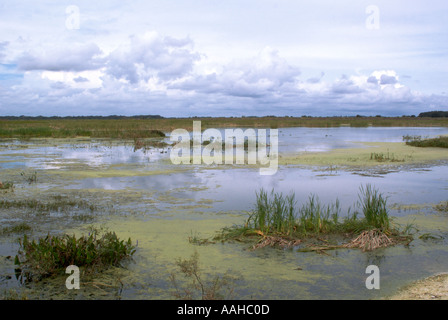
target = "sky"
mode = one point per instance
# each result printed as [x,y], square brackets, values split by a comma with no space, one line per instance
[182,58]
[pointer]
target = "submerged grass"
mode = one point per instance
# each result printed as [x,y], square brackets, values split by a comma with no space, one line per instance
[51,255]
[280,222]
[57,204]
[18,228]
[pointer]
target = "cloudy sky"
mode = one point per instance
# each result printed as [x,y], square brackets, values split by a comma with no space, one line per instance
[223,58]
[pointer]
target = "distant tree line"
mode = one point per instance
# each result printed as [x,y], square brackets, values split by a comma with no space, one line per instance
[80,117]
[434,114]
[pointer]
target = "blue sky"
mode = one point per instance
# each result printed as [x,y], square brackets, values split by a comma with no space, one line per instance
[223,58]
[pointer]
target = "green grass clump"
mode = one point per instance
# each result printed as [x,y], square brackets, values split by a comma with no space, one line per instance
[279,220]
[439,142]
[51,255]
[374,208]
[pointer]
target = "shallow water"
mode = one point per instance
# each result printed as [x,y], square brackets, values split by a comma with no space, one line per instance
[140,194]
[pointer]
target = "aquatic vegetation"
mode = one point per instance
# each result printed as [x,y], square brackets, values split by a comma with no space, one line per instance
[52,254]
[382,157]
[197,286]
[145,144]
[57,204]
[118,129]
[18,228]
[374,208]
[130,128]
[279,222]
[6,186]
[32,178]
[439,142]
[442,206]
[195,239]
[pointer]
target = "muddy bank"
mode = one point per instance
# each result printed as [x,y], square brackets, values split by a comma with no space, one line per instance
[431,288]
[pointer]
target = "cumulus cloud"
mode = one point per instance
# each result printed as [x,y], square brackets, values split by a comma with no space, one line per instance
[150,56]
[76,57]
[267,73]
[159,75]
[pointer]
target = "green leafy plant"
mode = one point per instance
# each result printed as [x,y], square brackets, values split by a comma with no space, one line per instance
[52,254]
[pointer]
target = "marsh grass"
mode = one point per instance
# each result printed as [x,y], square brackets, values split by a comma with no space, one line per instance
[56,203]
[277,220]
[417,141]
[51,255]
[18,228]
[116,129]
[384,157]
[374,207]
[128,128]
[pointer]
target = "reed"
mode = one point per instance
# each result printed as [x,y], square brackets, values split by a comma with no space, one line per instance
[374,207]
[279,221]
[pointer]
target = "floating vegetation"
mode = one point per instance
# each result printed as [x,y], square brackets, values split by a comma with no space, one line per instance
[58,203]
[52,254]
[384,157]
[32,178]
[195,239]
[6,186]
[18,228]
[279,222]
[146,144]
[442,206]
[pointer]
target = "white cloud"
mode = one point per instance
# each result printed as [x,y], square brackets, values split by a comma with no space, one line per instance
[76,57]
[151,55]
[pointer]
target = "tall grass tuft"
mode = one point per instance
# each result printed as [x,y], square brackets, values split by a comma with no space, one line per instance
[273,213]
[374,207]
[318,218]
[50,255]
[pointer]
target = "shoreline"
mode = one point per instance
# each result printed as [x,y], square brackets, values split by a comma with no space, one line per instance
[434,287]
[369,154]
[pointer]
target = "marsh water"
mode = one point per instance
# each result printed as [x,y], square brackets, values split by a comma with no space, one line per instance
[140,194]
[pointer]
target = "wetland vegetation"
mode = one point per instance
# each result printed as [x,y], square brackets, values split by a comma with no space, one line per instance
[277,221]
[51,255]
[53,189]
[418,141]
[134,128]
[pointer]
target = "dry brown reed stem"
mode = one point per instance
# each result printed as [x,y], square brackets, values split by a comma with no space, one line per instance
[277,241]
[370,240]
